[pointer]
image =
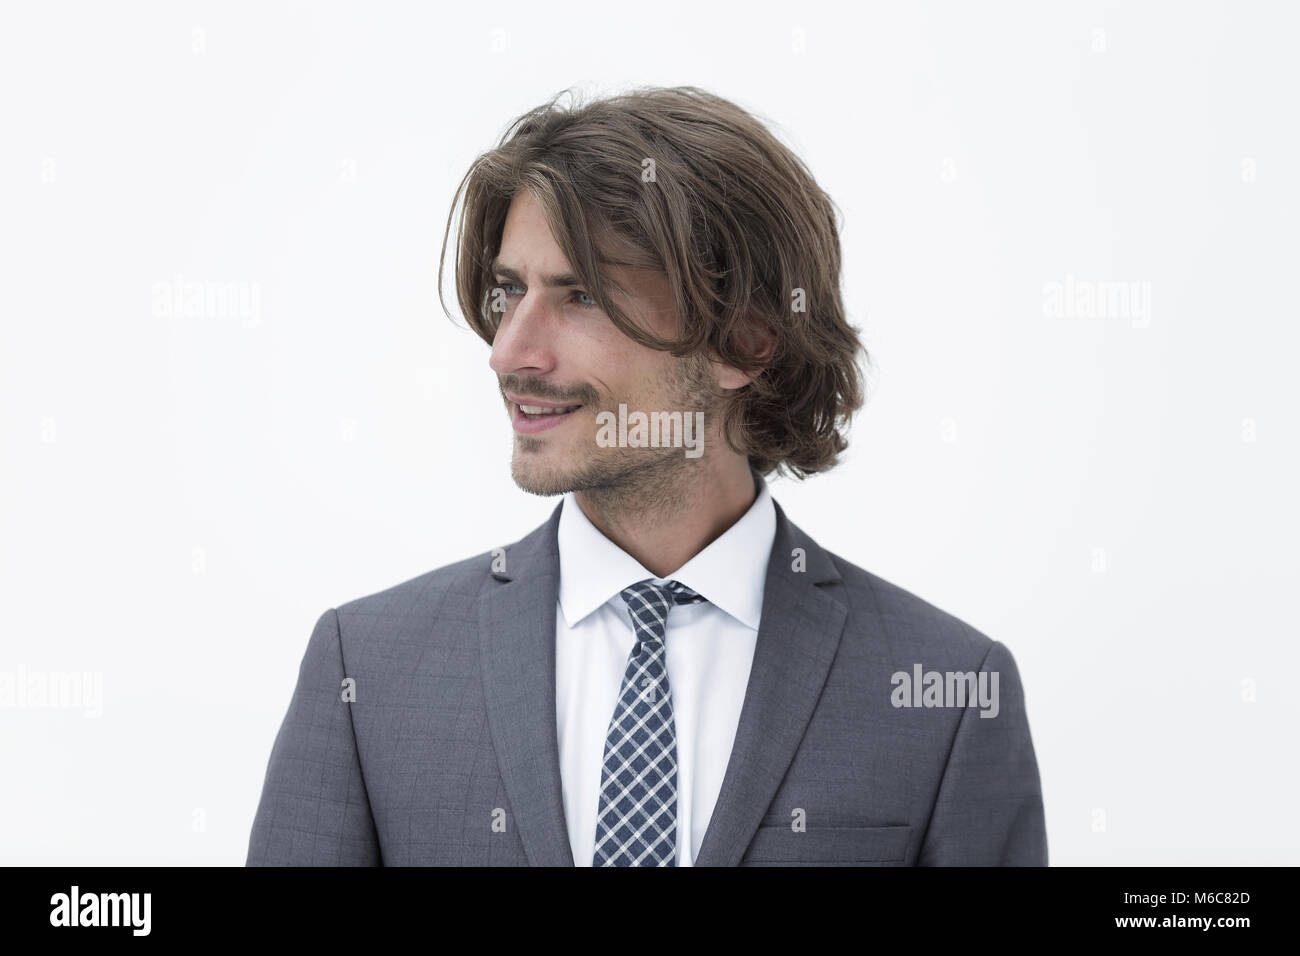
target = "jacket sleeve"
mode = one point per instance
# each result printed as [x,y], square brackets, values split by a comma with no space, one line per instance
[314,810]
[989,809]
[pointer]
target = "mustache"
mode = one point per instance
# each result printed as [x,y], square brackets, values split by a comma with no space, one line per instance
[580,395]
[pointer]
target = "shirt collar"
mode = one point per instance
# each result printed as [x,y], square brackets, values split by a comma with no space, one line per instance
[730,572]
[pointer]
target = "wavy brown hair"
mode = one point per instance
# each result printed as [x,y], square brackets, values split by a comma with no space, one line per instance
[692,186]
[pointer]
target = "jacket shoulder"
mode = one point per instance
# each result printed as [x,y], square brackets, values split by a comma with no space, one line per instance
[451,584]
[906,622]
[441,605]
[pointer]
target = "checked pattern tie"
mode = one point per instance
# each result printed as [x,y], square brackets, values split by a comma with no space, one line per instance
[637,821]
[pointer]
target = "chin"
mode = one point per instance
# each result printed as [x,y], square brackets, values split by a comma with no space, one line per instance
[532,473]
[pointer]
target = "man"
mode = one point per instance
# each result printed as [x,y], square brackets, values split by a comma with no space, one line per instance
[668,671]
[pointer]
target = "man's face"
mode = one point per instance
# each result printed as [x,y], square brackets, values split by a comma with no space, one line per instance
[556,350]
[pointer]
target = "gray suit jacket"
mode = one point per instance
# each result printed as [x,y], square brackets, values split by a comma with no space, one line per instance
[448,754]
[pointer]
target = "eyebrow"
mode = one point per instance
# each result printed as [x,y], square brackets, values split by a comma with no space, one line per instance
[559,281]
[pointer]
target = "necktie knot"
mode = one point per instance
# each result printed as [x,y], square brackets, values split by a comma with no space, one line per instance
[648,604]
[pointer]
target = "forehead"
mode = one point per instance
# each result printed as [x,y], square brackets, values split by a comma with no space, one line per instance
[526,240]
[529,247]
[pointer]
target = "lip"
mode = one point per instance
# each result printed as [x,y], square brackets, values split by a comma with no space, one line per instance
[531,426]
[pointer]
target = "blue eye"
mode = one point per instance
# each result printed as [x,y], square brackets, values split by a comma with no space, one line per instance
[580,298]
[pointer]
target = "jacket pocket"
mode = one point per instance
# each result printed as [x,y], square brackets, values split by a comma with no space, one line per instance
[779,845]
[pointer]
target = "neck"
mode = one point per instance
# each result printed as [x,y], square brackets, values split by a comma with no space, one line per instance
[668,518]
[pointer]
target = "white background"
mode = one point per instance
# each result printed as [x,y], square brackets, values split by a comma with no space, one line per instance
[1112,498]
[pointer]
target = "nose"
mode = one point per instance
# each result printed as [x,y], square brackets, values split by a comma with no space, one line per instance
[525,339]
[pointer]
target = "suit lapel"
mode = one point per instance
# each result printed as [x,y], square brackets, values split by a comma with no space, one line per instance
[797,638]
[517,644]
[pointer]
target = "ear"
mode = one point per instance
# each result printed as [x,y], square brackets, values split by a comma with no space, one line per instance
[754,339]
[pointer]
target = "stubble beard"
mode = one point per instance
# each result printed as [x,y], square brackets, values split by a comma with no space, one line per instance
[617,479]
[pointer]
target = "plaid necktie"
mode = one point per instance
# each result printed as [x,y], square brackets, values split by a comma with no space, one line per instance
[637,821]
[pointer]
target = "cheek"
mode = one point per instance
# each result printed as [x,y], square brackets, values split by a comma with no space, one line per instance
[642,373]
[621,369]
[615,360]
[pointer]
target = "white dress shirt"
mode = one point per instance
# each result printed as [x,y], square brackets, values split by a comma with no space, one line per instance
[709,650]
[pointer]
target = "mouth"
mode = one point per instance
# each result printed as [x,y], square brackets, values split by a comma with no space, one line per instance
[530,417]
